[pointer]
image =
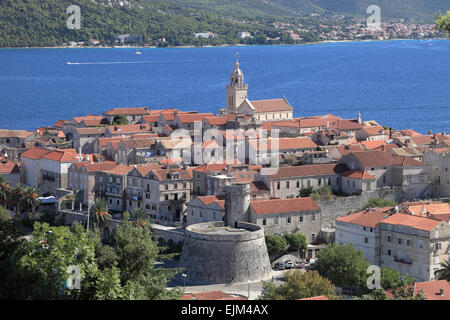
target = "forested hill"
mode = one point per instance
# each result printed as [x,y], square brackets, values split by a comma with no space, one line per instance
[39,23]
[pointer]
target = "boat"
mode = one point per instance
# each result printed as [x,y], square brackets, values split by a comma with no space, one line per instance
[138,52]
[68,62]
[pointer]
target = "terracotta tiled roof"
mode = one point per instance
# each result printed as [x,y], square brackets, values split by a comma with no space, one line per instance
[432,208]
[207,200]
[441,150]
[273,105]
[346,124]
[145,169]
[346,149]
[104,166]
[137,143]
[8,167]
[210,144]
[421,223]
[35,153]
[90,117]
[59,124]
[432,289]
[367,218]
[212,295]
[63,155]
[309,170]
[422,140]
[120,170]
[214,167]
[375,131]
[216,120]
[409,132]
[360,175]
[151,118]
[176,143]
[380,158]
[130,111]
[373,144]
[104,141]
[162,174]
[5,133]
[274,206]
[190,118]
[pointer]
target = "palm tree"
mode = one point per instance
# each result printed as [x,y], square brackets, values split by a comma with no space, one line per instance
[5,189]
[100,212]
[30,199]
[139,217]
[18,197]
[444,272]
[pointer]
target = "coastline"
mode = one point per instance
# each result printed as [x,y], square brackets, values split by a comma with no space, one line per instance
[224,45]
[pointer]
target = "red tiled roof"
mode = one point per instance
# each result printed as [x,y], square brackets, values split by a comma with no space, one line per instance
[62,155]
[374,144]
[207,200]
[144,169]
[346,124]
[367,218]
[422,140]
[120,170]
[274,206]
[375,131]
[130,128]
[91,130]
[104,166]
[272,105]
[417,222]
[5,133]
[216,120]
[8,167]
[190,118]
[432,289]
[90,117]
[59,124]
[380,158]
[283,143]
[35,153]
[360,175]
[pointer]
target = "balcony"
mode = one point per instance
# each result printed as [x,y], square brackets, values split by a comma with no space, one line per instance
[402,260]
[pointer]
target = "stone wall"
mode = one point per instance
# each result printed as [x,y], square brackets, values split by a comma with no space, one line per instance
[231,257]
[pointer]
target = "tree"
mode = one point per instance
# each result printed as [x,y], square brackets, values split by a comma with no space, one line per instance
[139,217]
[275,244]
[100,212]
[136,254]
[298,286]
[296,242]
[444,272]
[392,279]
[379,203]
[52,254]
[306,192]
[120,119]
[443,22]
[5,189]
[343,265]
[4,215]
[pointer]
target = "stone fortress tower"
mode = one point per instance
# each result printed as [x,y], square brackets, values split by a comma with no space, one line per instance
[227,251]
[236,90]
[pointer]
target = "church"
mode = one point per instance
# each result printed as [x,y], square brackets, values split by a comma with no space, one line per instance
[262,110]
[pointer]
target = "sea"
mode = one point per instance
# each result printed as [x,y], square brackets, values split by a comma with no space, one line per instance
[403,84]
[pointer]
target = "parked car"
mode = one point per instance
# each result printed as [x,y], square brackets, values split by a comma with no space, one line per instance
[280,266]
[289,264]
[299,265]
[310,266]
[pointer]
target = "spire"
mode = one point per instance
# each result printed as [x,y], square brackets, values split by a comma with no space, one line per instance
[359,118]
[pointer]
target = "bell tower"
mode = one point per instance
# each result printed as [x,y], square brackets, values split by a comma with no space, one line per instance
[237,89]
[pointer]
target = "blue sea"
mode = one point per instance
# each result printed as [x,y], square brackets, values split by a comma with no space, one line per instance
[401,84]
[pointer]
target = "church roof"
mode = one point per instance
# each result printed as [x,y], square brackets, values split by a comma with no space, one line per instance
[272,105]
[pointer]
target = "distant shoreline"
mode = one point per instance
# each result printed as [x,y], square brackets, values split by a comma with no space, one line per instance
[219,46]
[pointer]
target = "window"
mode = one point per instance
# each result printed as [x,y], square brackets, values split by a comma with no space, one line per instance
[278,185]
[408,242]
[277,220]
[399,240]
[366,240]
[166,197]
[320,182]
[389,252]
[437,246]
[287,184]
[289,220]
[313,217]
[313,237]
[389,238]
[420,244]
[298,184]
[264,222]
[301,218]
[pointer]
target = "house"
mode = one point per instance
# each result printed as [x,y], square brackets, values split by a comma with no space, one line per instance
[134,151]
[414,244]
[371,134]
[30,166]
[282,216]
[85,138]
[127,129]
[361,230]
[11,171]
[115,184]
[204,209]
[267,110]
[133,115]
[187,120]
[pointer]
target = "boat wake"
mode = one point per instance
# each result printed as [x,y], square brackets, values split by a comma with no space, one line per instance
[117,62]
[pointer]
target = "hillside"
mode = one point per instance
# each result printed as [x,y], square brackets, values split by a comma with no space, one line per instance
[39,23]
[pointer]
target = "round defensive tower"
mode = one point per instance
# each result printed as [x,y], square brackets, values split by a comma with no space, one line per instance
[215,253]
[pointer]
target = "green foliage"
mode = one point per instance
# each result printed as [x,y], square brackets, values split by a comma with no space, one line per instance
[4,215]
[296,242]
[379,203]
[443,22]
[275,244]
[120,119]
[392,279]
[298,285]
[306,192]
[444,272]
[343,265]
